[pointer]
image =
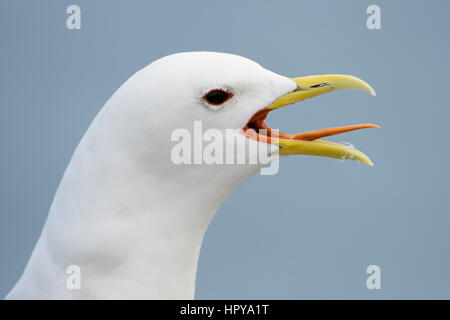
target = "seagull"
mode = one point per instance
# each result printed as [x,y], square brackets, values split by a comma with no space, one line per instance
[127,218]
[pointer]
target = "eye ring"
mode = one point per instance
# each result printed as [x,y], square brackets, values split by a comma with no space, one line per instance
[217,97]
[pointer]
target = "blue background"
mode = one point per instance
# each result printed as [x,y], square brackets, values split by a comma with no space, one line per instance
[311,230]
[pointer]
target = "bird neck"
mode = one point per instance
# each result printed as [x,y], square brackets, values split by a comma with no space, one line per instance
[133,224]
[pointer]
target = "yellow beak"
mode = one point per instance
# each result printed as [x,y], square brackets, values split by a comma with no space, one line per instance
[308,143]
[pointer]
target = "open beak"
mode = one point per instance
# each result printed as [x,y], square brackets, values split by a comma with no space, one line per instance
[308,143]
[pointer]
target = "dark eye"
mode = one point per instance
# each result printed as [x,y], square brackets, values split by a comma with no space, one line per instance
[217,97]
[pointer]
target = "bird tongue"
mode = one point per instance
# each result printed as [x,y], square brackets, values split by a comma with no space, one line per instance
[317,134]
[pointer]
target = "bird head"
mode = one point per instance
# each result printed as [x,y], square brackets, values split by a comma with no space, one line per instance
[230,92]
[224,92]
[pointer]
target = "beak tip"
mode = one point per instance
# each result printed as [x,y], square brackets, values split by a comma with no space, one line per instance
[368,162]
[370,90]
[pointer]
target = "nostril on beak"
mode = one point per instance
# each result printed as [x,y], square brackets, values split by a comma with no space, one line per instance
[320,85]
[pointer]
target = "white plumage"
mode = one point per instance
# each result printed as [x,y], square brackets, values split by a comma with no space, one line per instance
[124,213]
[130,218]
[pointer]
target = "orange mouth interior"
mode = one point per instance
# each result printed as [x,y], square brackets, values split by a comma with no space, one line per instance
[258,130]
